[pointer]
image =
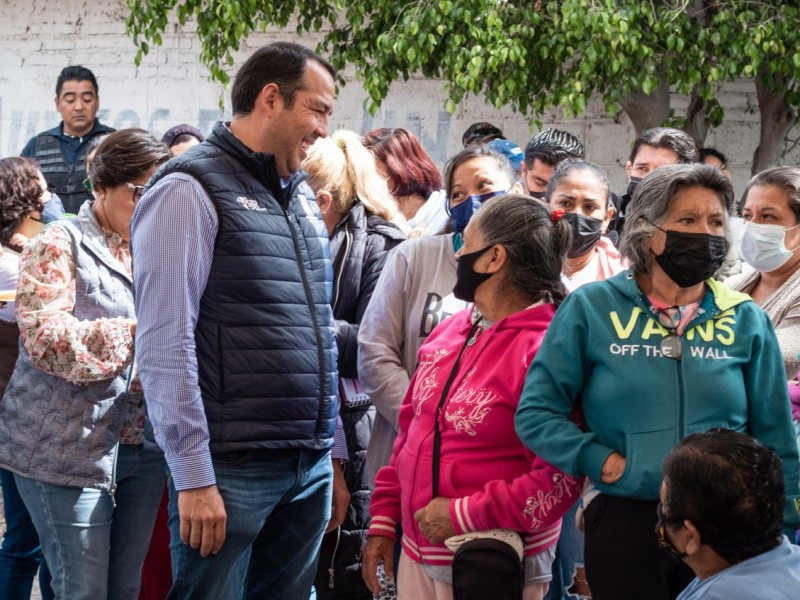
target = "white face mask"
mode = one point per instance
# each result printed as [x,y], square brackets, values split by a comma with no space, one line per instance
[763,247]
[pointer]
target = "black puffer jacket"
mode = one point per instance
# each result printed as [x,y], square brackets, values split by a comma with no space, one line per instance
[359,246]
[358,250]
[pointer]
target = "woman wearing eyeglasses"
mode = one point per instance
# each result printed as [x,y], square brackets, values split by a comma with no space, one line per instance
[650,356]
[72,421]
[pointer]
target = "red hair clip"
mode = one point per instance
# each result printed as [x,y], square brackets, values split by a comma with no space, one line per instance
[556,215]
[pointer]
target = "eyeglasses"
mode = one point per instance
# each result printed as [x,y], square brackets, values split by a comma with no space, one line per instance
[661,531]
[137,190]
[671,345]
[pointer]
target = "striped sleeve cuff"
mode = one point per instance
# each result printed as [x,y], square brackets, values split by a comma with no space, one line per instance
[460,517]
[383,526]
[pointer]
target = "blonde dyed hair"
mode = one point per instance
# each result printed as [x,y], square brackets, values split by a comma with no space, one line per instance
[342,166]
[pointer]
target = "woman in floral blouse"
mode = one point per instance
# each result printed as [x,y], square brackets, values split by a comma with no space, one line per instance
[72,421]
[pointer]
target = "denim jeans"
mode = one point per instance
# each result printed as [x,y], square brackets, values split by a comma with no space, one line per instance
[278,503]
[94,550]
[569,556]
[20,555]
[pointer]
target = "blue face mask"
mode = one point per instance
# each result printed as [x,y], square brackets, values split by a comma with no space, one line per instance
[462,213]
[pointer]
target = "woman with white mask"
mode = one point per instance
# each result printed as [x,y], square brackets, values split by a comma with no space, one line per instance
[770,246]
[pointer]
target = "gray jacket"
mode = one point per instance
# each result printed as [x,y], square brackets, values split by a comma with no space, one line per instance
[55,431]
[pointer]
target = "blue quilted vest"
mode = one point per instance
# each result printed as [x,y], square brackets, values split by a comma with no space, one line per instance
[264,338]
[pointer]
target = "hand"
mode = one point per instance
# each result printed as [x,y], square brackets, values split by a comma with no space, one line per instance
[202,517]
[19,240]
[341,497]
[612,468]
[434,520]
[133,330]
[378,550]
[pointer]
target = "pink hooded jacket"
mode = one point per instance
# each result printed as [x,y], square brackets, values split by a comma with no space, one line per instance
[492,479]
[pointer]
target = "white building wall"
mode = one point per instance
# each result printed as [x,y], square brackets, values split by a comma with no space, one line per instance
[39,37]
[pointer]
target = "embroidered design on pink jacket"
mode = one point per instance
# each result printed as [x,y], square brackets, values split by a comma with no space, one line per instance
[537,507]
[426,382]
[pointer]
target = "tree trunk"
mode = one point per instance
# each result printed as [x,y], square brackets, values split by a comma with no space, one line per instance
[697,121]
[777,118]
[647,110]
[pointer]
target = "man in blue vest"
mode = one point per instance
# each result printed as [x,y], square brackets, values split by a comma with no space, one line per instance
[61,151]
[235,339]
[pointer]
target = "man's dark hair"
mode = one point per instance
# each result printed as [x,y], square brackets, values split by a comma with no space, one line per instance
[680,142]
[704,152]
[481,133]
[730,486]
[75,73]
[551,146]
[281,63]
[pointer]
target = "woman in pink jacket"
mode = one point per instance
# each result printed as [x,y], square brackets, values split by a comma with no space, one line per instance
[469,377]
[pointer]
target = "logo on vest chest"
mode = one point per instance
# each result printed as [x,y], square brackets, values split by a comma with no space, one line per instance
[250,204]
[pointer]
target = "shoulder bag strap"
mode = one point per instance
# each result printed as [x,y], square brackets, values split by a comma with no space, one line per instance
[437,434]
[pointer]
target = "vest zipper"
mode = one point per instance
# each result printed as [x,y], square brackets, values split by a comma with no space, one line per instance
[310,303]
[348,240]
[331,570]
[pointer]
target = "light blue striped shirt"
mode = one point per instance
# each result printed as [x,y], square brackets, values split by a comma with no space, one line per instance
[173,231]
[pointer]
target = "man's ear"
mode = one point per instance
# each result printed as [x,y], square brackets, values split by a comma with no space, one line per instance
[516,188]
[270,98]
[628,167]
[325,201]
[694,539]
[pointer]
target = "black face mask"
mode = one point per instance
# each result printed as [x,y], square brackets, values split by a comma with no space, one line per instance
[586,232]
[537,195]
[467,280]
[632,186]
[690,258]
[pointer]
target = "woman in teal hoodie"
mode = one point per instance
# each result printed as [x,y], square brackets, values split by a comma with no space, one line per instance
[644,359]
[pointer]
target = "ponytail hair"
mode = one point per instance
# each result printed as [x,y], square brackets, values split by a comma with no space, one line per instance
[343,166]
[536,240]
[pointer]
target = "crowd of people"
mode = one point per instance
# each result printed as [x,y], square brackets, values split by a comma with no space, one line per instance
[281,362]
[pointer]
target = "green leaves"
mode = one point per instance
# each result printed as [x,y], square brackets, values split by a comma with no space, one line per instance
[530,56]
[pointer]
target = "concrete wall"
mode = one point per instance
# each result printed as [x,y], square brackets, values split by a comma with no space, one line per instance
[39,37]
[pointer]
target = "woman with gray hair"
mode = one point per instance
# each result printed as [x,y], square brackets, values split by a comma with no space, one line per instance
[633,364]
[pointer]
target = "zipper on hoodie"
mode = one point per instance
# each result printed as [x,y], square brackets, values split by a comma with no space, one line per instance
[348,240]
[682,397]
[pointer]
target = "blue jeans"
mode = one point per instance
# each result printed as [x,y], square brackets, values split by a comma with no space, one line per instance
[20,555]
[278,503]
[94,550]
[569,556]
